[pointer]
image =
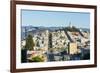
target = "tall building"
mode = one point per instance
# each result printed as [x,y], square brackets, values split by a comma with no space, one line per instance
[73,48]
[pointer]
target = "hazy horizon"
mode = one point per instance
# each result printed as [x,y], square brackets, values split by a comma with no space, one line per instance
[51,26]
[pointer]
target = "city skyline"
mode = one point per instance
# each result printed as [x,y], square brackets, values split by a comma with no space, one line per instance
[54,18]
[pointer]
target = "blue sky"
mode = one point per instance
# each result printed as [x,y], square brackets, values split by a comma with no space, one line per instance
[55,18]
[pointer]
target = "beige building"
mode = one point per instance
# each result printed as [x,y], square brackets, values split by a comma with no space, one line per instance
[73,48]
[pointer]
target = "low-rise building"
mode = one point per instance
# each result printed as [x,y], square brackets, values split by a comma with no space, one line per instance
[59,39]
[41,40]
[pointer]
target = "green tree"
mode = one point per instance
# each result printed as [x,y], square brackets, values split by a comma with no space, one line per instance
[73,28]
[29,43]
[37,59]
[50,40]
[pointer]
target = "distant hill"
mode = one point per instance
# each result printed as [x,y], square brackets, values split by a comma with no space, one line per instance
[33,30]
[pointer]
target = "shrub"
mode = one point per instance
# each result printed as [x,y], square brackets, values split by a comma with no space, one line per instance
[37,59]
